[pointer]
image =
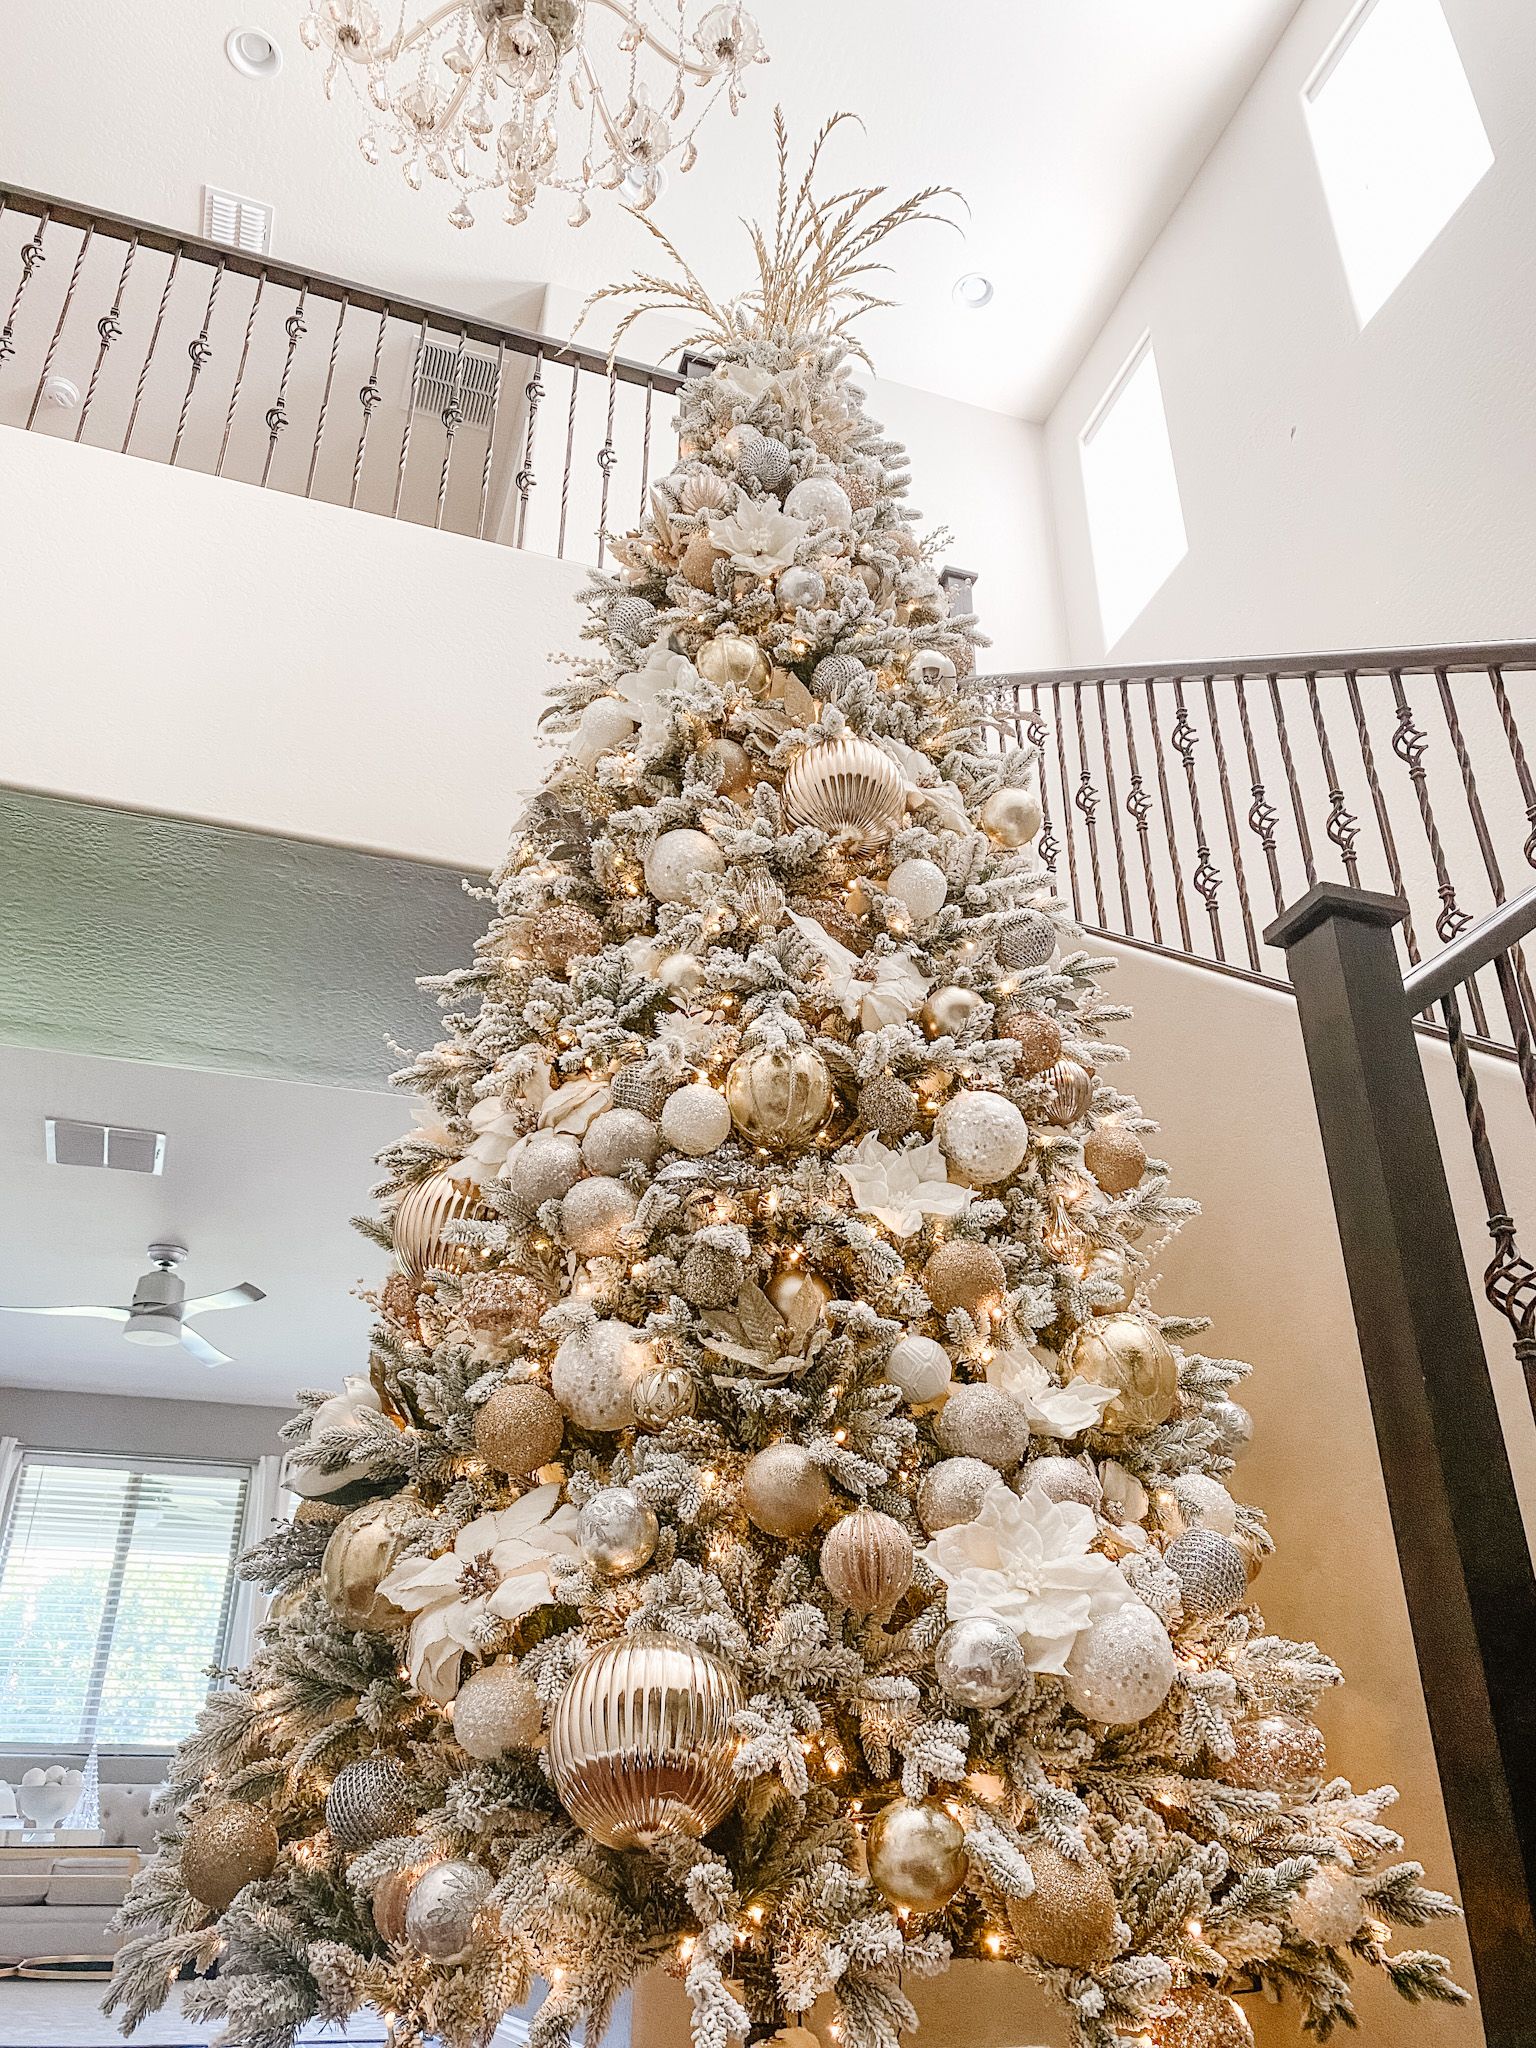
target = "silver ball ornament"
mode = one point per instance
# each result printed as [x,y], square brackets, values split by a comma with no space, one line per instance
[1329,1908]
[629,616]
[640,1085]
[952,1492]
[765,460]
[980,1422]
[368,1800]
[1026,941]
[1060,1479]
[1212,1573]
[442,1913]
[1234,1426]
[677,860]
[546,1168]
[496,1709]
[820,501]
[979,1661]
[617,1531]
[1196,1501]
[837,672]
[619,1138]
[801,587]
[1122,1667]
[594,1213]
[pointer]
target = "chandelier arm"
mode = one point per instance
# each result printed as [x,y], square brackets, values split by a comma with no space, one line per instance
[662,49]
[407,38]
[594,87]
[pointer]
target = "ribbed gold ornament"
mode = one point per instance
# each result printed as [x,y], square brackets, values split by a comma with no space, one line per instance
[640,1744]
[1070,1092]
[778,1096]
[847,787]
[866,1561]
[423,1213]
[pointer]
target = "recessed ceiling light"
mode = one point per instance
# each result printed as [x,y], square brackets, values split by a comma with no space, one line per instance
[973,291]
[253,52]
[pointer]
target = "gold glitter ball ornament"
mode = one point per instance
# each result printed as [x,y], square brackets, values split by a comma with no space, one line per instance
[778,1096]
[664,1395]
[732,763]
[698,560]
[519,1429]
[1131,1355]
[224,1850]
[963,1274]
[1276,1753]
[866,1562]
[1069,1918]
[361,1551]
[1011,817]
[949,1011]
[442,1914]
[1039,1040]
[367,1801]
[496,1709]
[711,1276]
[640,1743]
[888,1107]
[1115,1157]
[848,788]
[424,1211]
[562,933]
[917,1855]
[1069,1090]
[784,1491]
[1202,2017]
[731,659]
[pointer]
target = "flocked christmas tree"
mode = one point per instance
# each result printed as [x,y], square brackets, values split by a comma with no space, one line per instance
[778,1540]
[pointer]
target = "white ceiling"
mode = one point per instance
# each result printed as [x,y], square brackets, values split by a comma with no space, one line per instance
[1071,127]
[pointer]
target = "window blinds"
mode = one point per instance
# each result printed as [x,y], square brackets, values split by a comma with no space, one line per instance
[116,1579]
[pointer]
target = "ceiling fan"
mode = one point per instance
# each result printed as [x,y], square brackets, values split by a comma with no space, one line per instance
[159,1310]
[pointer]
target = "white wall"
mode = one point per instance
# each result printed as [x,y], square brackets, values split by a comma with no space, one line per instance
[1340,489]
[53,1421]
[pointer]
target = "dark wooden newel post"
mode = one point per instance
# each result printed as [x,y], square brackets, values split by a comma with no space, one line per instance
[1466,1566]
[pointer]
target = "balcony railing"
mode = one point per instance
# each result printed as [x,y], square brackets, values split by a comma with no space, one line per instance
[126,336]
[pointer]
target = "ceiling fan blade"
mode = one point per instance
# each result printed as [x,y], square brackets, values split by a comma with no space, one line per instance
[232,1297]
[204,1352]
[111,1315]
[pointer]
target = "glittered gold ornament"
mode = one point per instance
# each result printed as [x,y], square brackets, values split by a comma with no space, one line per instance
[949,1011]
[519,1429]
[1039,1039]
[963,1274]
[496,1709]
[367,1801]
[361,1551]
[778,1095]
[561,933]
[698,560]
[916,1855]
[1011,817]
[224,1850]
[640,1743]
[866,1561]
[663,1395]
[797,1294]
[397,1302]
[1115,1157]
[1276,1753]
[784,1491]
[981,1422]
[500,1304]
[442,1915]
[1131,1355]
[424,1211]
[848,788]
[1069,1090]
[1069,1918]
[731,659]
[1202,2017]
[888,1107]
[732,763]
[711,1275]
[642,1085]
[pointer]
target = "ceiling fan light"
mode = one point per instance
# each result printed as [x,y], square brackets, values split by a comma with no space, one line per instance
[148,1327]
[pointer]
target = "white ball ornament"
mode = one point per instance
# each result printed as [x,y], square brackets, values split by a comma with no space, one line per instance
[593,1214]
[1198,1502]
[696,1120]
[1122,1667]
[1329,1908]
[921,885]
[617,1531]
[984,1136]
[607,722]
[594,1374]
[681,975]
[497,1709]
[979,1661]
[821,501]
[1234,1425]
[547,1167]
[921,1368]
[617,1138]
[677,860]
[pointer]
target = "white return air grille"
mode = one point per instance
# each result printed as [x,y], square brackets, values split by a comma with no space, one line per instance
[237,222]
[71,1143]
[469,380]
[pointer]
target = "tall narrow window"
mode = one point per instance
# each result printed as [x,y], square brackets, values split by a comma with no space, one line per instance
[1398,139]
[1135,520]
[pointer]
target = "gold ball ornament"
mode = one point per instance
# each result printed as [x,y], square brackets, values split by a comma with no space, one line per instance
[949,1011]
[664,1395]
[888,1107]
[1276,1753]
[846,787]
[224,1850]
[1011,817]
[500,1305]
[640,1744]
[784,1491]
[698,559]
[1115,1157]
[729,660]
[1131,1355]
[779,1096]
[732,763]
[866,1561]
[562,933]
[424,1211]
[916,1855]
[519,1429]
[497,1709]
[1069,1090]
[1069,1918]
[963,1274]
[1202,2017]
[361,1551]
[1039,1040]
[792,1291]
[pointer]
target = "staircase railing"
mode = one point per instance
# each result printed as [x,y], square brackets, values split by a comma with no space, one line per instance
[123,335]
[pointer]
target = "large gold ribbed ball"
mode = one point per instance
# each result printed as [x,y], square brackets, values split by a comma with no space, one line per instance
[779,1096]
[866,1561]
[361,1551]
[917,1855]
[731,658]
[1069,1918]
[846,787]
[1132,1356]
[423,1213]
[224,1850]
[640,1745]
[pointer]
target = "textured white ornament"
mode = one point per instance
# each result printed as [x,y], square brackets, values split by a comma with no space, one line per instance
[546,1168]
[820,501]
[617,1531]
[983,1136]
[594,1373]
[920,1367]
[921,885]
[593,1214]
[618,1138]
[979,1662]
[497,1709]
[681,975]
[1122,1668]
[607,722]
[677,860]
[1060,1479]
[1329,1908]
[1198,1502]
[696,1120]
[1235,1425]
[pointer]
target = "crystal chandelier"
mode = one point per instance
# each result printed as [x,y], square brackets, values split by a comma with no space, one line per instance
[471,91]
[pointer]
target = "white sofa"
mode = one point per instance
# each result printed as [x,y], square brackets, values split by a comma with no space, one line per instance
[57,1905]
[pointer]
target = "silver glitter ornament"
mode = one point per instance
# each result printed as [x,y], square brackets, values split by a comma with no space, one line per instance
[979,1661]
[980,1422]
[367,1801]
[1060,1479]
[443,1911]
[595,1371]
[801,587]
[630,617]
[696,1120]
[1196,1501]
[952,1492]
[497,1709]
[1213,1577]
[1329,1908]
[921,885]
[1276,1753]
[619,1138]
[546,1167]
[821,501]
[766,461]
[1122,1667]
[677,860]
[617,1531]
[837,672]
[1026,941]
[593,1214]
[984,1137]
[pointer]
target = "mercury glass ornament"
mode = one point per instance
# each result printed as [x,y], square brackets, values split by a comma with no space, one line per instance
[696,1120]
[1060,1479]
[224,1850]
[679,859]
[778,1095]
[594,1214]
[846,787]
[546,1167]
[766,461]
[1276,1753]
[1110,1268]
[921,885]
[1069,1090]
[979,1661]
[1068,1920]
[443,1911]
[949,1010]
[594,1374]
[739,439]
[617,1531]
[952,1492]
[711,1276]
[1234,1426]
[562,933]
[920,1367]
[732,763]
[1131,1355]
[1026,941]
[980,1422]
[888,1107]
[663,1395]
[496,1709]
[360,1552]
[784,1491]
[1213,1579]
[801,587]
[866,1562]
[983,1136]
[1011,817]
[642,1085]
[368,1800]
[619,1138]
[1329,1908]
[1196,1501]
[1115,1157]
[1202,2017]
[705,490]
[821,501]
[963,1274]
[640,1744]
[730,659]
[1039,1039]
[1122,1667]
[421,1215]
[519,1429]
[916,1855]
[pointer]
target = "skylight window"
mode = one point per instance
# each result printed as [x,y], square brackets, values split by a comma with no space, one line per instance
[1398,139]
[1135,519]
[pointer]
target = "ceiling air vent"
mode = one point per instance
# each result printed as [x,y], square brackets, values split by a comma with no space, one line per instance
[71,1143]
[469,380]
[237,222]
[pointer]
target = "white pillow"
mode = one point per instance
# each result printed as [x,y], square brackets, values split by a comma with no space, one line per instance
[88,1888]
[24,1888]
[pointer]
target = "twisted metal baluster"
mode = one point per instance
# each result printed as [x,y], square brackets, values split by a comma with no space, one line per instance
[570,443]
[245,352]
[1262,815]
[69,296]
[325,396]
[1379,805]
[1111,797]
[1343,827]
[645,451]
[1173,844]
[525,479]
[200,352]
[149,353]
[607,456]
[1409,743]
[410,420]
[490,438]
[1288,762]
[1207,877]
[1139,804]
[1087,801]
[1066,799]
[1250,935]
[32,254]
[295,327]
[453,418]
[368,397]
[108,328]
[1517,755]
[1036,733]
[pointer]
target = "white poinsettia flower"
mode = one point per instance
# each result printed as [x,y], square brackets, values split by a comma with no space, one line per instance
[651,688]
[879,989]
[757,535]
[925,781]
[499,1566]
[901,1188]
[746,378]
[1051,1408]
[497,1130]
[1026,1561]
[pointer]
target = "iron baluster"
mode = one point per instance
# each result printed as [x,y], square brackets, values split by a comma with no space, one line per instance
[1343,828]
[1262,815]
[1379,806]
[1036,731]
[149,353]
[245,353]
[565,480]
[32,254]
[1066,799]
[410,420]
[1206,878]
[645,452]
[200,350]
[1111,797]
[1288,762]
[1087,801]
[525,479]
[1517,756]
[490,439]
[1173,845]
[1139,804]
[295,327]
[1409,743]
[607,456]
[108,328]
[368,397]
[1250,935]
[325,396]
[453,417]
[69,297]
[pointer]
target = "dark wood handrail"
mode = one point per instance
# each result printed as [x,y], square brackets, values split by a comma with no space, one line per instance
[1379,661]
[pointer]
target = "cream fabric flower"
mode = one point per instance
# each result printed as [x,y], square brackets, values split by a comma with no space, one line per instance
[499,1566]
[757,535]
[650,689]
[1051,1408]
[1026,1561]
[901,1188]
[879,989]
